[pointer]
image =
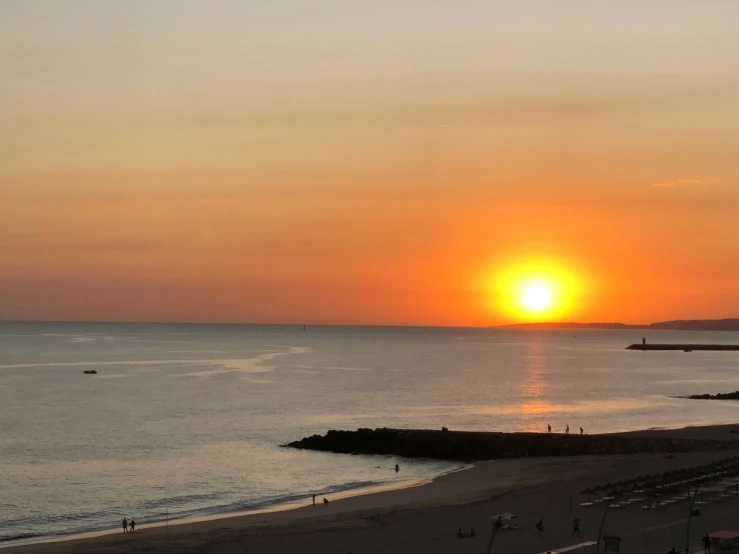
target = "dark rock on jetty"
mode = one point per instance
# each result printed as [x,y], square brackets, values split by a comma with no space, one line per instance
[683,347]
[475,446]
[720,396]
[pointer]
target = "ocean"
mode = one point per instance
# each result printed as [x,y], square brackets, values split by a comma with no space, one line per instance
[186,421]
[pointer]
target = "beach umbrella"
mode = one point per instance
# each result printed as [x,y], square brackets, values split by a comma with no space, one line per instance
[506,516]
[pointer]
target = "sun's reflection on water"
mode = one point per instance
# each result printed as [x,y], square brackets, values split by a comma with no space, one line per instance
[533,393]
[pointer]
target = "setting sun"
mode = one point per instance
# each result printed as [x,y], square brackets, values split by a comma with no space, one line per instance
[537,297]
[537,290]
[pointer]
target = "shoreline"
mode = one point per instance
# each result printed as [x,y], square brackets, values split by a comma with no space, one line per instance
[456,487]
[285,506]
[353,510]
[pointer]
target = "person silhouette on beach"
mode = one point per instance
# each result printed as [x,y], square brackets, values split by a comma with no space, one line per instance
[314,499]
[581,431]
[460,535]
[576,526]
[397,468]
[549,428]
[125,525]
[706,544]
[325,502]
[133,525]
[567,431]
[472,531]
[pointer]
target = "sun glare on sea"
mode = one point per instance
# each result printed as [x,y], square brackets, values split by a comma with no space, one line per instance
[535,291]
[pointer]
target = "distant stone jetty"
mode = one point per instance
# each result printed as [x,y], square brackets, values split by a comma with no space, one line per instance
[683,347]
[720,396]
[478,446]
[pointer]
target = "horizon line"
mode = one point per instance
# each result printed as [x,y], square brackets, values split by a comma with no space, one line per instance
[401,326]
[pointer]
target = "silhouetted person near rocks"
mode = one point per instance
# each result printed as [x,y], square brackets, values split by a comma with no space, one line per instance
[325,502]
[125,525]
[581,431]
[133,525]
[567,431]
[540,526]
[576,526]
[549,428]
[706,544]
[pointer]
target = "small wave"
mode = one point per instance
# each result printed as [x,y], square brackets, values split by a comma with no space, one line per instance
[20,537]
[28,521]
[353,485]
[240,506]
[174,501]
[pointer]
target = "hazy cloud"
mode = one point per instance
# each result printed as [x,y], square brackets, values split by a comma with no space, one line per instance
[686,182]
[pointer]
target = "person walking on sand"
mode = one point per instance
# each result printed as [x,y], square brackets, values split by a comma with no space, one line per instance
[706,544]
[133,525]
[581,431]
[567,431]
[125,525]
[314,499]
[549,428]
[397,468]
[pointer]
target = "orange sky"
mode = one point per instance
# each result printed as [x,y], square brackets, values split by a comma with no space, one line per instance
[368,163]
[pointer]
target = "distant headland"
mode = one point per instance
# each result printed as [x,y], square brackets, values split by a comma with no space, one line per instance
[675,325]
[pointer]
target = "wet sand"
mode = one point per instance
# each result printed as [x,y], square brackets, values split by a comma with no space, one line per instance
[424,519]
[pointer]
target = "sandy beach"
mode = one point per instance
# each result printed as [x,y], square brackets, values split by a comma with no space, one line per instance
[425,518]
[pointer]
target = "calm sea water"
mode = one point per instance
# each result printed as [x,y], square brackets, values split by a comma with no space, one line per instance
[187,419]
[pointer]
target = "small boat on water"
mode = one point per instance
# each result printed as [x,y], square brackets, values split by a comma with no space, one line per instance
[90,372]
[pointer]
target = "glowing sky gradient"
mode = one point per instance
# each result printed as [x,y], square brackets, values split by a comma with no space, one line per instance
[373,162]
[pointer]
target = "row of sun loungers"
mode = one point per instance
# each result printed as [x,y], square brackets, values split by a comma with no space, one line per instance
[713,482]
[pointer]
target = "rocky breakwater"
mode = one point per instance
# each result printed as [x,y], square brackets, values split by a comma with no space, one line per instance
[720,396]
[477,446]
